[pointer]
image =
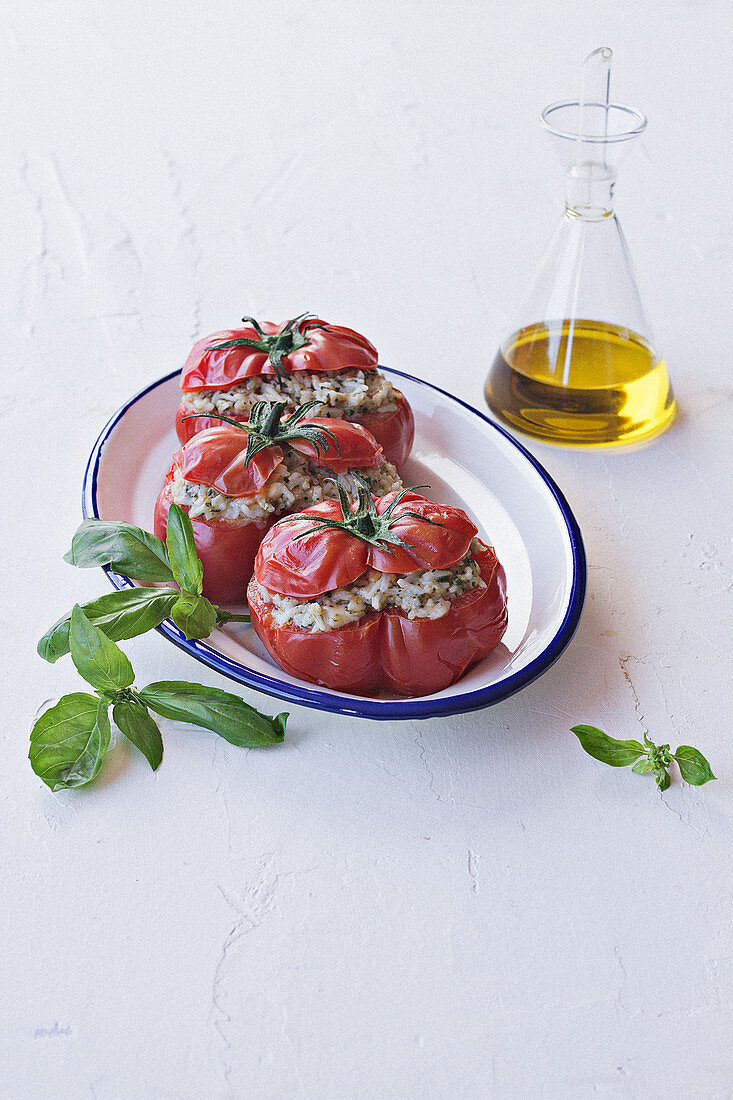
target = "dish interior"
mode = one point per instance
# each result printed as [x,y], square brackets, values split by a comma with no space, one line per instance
[462,459]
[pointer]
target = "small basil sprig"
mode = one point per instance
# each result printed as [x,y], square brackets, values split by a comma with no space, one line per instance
[140,556]
[648,757]
[70,740]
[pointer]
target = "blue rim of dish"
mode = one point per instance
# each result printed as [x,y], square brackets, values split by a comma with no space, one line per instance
[352,706]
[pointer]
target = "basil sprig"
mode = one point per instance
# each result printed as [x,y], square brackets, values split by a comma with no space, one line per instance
[140,556]
[71,739]
[645,758]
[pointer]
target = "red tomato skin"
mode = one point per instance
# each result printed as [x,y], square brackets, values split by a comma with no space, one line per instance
[216,458]
[422,656]
[345,660]
[227,550]
[316,563]
[186,429]
[395,431]
[301,559]
[387,652]
[348,445]
[329,349]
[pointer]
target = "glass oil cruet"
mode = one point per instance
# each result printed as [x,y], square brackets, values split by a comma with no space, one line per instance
[580,367]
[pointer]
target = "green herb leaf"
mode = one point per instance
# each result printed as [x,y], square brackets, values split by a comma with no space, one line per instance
[693,766]
[97,659]
[69,741]
[194,615]
[120,615]
[132,718]
[607,749]
[181,546]
[649,757]
[216,710]
[127,549]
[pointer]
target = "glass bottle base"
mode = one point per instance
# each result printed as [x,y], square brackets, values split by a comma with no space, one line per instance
[581,383]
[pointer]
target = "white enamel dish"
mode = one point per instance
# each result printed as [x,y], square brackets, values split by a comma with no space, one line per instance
[467,460]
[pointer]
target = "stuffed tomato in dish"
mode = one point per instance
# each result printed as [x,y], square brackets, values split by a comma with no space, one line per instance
[304,359]
[395,594]
[235,480]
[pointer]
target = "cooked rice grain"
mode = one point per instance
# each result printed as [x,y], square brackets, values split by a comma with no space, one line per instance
[297,486]
[349,394]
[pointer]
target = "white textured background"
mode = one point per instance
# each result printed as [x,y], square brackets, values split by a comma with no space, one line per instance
[462,908]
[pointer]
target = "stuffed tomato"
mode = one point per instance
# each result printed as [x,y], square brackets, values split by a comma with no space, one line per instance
[235,480]
[304,359]
[390,595]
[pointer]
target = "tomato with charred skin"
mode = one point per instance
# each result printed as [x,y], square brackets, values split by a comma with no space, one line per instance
[384,651]
[224,359]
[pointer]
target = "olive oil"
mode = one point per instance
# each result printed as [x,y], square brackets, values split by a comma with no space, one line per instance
[583,383]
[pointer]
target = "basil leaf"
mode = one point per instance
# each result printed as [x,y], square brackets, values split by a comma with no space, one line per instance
[662,778]
[641,767]
[607,749]
[127,549]
[132,718]
[694,768]
[97,659]
[120,615]
[69,741]
[194,615]
[216,710]
[181,546]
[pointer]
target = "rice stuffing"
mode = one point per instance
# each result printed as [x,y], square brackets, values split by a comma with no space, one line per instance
[296,485]
[348,394]
[424,594]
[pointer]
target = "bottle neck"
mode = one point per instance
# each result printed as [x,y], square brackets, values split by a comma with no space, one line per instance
[589,191]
